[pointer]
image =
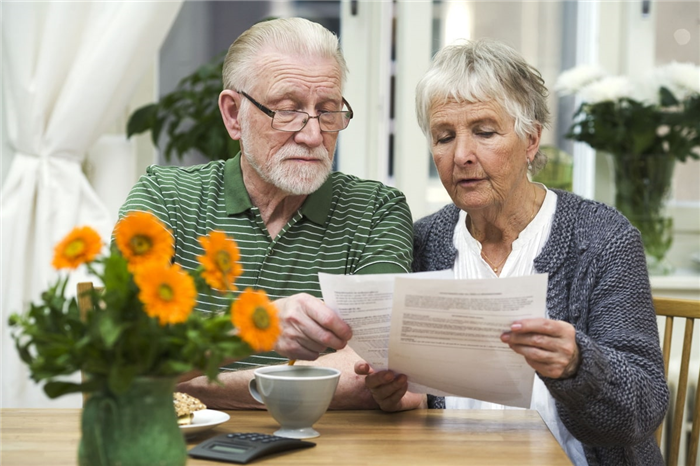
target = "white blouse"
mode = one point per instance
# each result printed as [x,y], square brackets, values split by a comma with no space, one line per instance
[520,262]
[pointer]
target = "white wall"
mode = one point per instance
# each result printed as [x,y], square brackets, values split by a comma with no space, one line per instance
[5,152]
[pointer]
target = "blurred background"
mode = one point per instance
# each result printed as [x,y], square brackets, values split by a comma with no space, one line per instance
[388,45]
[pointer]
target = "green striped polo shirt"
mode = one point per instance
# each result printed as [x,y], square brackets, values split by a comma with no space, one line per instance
[348,226]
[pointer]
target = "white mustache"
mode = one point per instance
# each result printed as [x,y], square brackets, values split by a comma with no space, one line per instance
[296,157]
[296,152]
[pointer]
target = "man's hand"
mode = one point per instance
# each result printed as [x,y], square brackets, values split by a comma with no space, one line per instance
[309,327]
[549,346]
[389,390]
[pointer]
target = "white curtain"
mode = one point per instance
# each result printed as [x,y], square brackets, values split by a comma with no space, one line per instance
[69,69]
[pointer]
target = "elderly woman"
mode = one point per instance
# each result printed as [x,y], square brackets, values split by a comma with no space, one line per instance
[600,385]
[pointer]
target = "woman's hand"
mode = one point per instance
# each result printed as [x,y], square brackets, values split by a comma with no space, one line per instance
[389,390]
[549,346]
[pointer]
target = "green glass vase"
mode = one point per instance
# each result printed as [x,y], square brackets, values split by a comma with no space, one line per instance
[642,187]
[136,428]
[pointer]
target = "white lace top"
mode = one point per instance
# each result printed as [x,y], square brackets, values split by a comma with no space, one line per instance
[520,262]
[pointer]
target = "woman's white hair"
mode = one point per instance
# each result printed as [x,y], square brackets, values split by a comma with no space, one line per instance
[485,70]
[290,36]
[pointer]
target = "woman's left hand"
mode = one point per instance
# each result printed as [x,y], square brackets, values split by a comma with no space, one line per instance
[549,346]
[389,390]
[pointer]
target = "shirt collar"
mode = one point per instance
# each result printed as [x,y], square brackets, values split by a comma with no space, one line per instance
[235,195]
[316,207]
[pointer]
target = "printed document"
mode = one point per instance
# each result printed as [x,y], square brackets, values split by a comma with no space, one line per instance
[443,333]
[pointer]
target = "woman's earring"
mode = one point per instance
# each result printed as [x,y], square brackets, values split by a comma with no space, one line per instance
[529,164]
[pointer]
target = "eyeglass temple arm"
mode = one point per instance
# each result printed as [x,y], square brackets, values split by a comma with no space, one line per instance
[349,112]
[262,108]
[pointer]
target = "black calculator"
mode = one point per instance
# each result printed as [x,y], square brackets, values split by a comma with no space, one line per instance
[245,447]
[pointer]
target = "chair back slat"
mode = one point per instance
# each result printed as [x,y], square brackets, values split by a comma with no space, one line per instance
[695,431]
[666,352]
[690,311]
[84,296]
[668,337]
[84,299]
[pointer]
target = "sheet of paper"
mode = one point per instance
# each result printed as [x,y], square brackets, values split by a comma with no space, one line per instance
[364,302]
[445,336]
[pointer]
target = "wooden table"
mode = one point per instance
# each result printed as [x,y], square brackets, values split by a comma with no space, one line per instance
[422,437]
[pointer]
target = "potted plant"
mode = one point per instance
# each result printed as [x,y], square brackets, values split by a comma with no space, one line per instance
[645,125]
[141,335]
[188,116]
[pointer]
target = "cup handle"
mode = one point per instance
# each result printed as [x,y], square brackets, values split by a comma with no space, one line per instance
[253,389]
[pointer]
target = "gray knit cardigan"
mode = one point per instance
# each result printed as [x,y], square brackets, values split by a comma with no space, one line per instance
[598,282]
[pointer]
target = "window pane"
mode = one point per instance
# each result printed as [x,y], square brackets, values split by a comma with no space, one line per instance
[677,40]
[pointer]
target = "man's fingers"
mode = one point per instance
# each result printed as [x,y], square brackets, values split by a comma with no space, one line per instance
[309,327]
[294,350]
[326,319]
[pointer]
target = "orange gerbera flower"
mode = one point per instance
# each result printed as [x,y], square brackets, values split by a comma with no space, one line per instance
[81,245]
[256,319]
[220,260]
[142,238]
[167,292]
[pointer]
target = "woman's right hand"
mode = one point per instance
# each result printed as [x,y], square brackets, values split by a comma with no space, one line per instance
[389,390]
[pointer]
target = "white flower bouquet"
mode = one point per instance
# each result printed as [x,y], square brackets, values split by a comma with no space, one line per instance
[646,124]
[658,113]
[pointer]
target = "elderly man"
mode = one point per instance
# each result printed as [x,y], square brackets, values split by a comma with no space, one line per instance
[290,216]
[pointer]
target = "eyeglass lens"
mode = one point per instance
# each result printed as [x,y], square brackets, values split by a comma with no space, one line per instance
[287,120]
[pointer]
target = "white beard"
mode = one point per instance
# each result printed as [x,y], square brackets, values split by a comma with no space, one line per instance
[291,177]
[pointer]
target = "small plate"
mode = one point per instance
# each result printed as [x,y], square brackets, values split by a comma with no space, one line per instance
[204,420]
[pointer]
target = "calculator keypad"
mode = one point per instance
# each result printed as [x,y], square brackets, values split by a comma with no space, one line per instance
[264,438]
[243,447]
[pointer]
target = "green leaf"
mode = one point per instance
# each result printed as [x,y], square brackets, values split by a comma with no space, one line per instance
[14,320]
[158,124]
[141,120]
[25,354]
[120,378]
[667,98]
[176,367]
[110,330]
[189,116]
[56,389]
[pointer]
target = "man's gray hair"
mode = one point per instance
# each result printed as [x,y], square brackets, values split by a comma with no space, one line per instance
[290,36]
[485,70]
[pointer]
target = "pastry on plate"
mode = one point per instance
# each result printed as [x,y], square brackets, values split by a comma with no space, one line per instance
[185,407]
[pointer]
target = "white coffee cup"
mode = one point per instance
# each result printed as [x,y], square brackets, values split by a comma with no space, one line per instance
[296,396]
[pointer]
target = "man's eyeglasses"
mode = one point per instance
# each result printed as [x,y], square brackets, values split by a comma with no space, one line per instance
[293,120]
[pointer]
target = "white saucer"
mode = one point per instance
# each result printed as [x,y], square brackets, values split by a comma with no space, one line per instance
[306,432]
[204,420]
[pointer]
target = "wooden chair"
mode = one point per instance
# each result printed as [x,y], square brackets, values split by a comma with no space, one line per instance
[690,310]
[84,290]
